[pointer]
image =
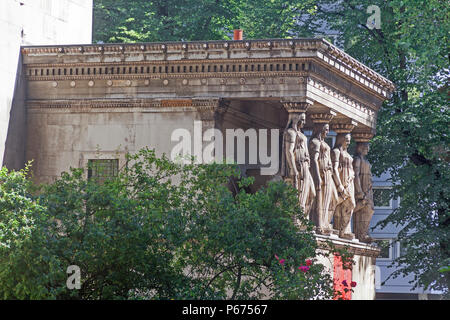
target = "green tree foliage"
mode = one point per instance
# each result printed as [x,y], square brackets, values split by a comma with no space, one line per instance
[183,20]
[158,230]
[412,141]
[25,261]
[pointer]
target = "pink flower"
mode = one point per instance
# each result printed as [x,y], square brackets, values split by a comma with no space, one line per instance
[282,261]
[277,258]
[345,283]
[353,284]
[303,268]
[308,262]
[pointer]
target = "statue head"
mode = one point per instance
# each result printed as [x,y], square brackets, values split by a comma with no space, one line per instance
[343,140]
[301,120]
[296,120]
[362,148]
[325,130]
[321,129]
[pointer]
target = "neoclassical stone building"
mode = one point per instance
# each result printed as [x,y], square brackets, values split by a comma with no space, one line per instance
[97,102]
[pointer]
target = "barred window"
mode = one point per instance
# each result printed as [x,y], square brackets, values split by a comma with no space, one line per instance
[102,169]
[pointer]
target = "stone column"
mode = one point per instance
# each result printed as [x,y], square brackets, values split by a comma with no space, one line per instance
[295,109]
[295,160]
[321,171]
[343,176]
[363,212]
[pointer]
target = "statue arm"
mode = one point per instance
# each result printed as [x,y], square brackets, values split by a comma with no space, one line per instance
[315,149]
[290,146]
[307,152]
[335,154]
[359,194]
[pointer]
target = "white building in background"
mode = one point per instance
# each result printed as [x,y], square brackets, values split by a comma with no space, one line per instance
[398,288]
[34,22]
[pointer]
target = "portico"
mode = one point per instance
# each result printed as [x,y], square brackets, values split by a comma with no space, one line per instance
[104,100]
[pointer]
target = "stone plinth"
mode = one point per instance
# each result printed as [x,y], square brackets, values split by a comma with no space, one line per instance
[362,271]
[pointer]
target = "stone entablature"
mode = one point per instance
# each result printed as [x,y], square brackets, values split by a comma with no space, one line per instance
[256,69]
[159,58]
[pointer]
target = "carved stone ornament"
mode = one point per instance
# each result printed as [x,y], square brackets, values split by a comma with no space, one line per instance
[322,117]
[321,171]
[363,212]
[343,126]
[362,136]
[343,176]
[296,161]
[296,105]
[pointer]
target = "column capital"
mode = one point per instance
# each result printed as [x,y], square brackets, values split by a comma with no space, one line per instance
[324,117]
[362,136]
[296,104]
[206,108]
[343,125]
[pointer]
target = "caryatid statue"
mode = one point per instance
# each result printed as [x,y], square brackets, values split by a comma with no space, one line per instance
[363,212]
[295,159]
[343,175]
[321,171]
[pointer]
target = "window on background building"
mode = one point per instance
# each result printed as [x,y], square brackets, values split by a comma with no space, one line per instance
[102,169]
[382,198]
[386,248]
[402,247]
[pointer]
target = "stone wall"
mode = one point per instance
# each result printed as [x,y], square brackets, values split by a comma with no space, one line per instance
[60,140]
[32,22]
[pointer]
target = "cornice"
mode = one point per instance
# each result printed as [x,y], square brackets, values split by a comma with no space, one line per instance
[283,48]
[325,88]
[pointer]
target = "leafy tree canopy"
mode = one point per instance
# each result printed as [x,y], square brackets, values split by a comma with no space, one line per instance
[158,230]
[184,20]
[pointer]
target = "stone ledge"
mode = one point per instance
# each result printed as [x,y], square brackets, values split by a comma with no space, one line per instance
[353,246]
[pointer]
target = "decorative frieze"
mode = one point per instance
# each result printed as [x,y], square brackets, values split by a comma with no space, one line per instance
[161,69]
[197,104]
